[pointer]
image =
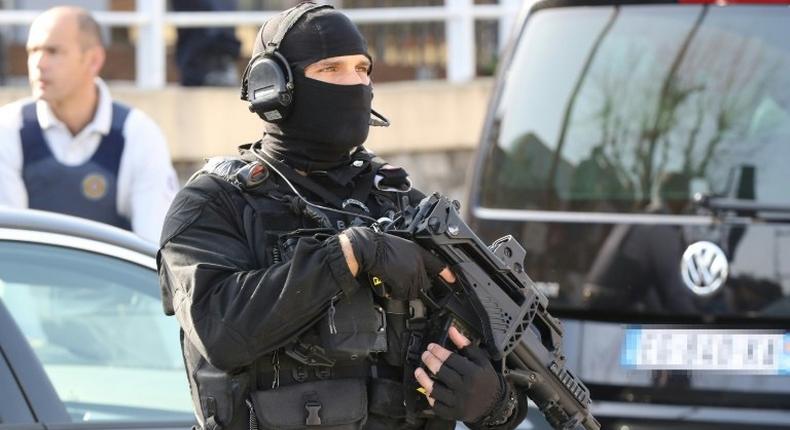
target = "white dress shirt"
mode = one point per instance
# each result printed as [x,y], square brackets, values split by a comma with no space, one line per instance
[147,181]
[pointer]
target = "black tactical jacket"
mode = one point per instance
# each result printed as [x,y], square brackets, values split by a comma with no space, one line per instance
[242,294]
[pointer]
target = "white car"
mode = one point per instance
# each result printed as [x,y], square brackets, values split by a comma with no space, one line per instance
[84,339]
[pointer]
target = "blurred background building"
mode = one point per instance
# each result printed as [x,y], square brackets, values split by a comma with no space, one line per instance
[402,50]
[433,63]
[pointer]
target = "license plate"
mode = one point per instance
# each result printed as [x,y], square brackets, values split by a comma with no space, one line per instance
[727,350]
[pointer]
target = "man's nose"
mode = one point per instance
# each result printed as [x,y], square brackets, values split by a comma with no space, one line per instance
[37,60]
[353,78]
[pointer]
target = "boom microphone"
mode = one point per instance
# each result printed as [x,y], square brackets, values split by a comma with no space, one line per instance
[379,120]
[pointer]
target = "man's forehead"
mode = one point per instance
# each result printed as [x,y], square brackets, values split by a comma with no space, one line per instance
[45,40]
[53,29]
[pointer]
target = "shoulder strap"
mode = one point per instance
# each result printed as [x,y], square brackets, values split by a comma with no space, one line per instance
[221,167]
[289,20]
[108,155]
[34,145]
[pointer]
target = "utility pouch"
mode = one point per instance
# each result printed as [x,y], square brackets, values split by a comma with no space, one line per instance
[354,327]
[386,398]
[221,395]
[337,404]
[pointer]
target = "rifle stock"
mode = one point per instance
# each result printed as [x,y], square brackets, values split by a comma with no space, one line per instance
[495,299]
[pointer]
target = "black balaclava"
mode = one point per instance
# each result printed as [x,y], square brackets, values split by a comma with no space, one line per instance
[326,121]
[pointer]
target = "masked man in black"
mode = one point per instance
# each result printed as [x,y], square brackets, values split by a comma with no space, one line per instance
[294,311]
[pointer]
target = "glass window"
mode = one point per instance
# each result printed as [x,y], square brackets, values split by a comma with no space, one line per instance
[639,107]
[96,324]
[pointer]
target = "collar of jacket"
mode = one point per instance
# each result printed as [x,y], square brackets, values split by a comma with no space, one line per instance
[358,163]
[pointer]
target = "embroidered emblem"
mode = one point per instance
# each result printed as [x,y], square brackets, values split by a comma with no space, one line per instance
[94,186]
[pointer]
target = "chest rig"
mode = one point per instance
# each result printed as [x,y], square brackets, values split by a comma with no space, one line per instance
[348,362]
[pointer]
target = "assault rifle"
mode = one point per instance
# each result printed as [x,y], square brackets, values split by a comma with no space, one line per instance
[494,301]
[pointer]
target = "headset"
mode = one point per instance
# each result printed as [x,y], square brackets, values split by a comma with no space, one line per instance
[267,82]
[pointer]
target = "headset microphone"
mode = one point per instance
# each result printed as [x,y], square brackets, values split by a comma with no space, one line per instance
[379,120]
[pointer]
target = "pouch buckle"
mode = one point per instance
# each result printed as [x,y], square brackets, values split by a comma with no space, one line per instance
[313,406]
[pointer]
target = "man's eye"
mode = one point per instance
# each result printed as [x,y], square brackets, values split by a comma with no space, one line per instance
[363,69]
[328,69]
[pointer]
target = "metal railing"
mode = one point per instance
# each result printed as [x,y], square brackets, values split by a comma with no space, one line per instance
[151,17]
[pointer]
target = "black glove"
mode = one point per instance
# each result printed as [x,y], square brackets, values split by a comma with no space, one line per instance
[402,265]
[467,388]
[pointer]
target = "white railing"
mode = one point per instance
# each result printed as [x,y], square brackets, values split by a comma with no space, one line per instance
[151,17]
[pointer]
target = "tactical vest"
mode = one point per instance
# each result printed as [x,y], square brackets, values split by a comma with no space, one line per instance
[345,366]
[88,190]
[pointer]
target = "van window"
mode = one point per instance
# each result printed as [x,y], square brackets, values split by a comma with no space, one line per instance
[641,107]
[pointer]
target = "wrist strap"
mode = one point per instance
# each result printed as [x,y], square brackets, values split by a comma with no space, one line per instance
[503,410]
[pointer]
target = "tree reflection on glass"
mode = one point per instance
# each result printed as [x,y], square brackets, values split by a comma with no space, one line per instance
[696,113]
[595,120]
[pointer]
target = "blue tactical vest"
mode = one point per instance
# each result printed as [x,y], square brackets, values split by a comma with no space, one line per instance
[88,190]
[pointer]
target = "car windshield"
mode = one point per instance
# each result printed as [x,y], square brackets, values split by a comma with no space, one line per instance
[634,109]
[97,326]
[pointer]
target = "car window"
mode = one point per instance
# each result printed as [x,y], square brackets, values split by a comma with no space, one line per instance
[96,324]
[637,108]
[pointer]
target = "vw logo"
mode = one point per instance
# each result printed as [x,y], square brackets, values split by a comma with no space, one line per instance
[704,268]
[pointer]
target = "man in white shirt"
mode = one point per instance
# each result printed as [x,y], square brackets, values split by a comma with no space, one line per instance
[70,148]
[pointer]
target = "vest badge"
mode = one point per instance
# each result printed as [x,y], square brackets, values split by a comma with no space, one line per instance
[94,186]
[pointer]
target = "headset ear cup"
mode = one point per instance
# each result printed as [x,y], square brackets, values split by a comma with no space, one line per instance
[267,89]
[268,80]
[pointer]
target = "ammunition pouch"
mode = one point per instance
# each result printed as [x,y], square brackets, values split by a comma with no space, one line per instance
[397,335]
[320,380]
[386,398]
[221,396]
[354,327]
[339,404]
